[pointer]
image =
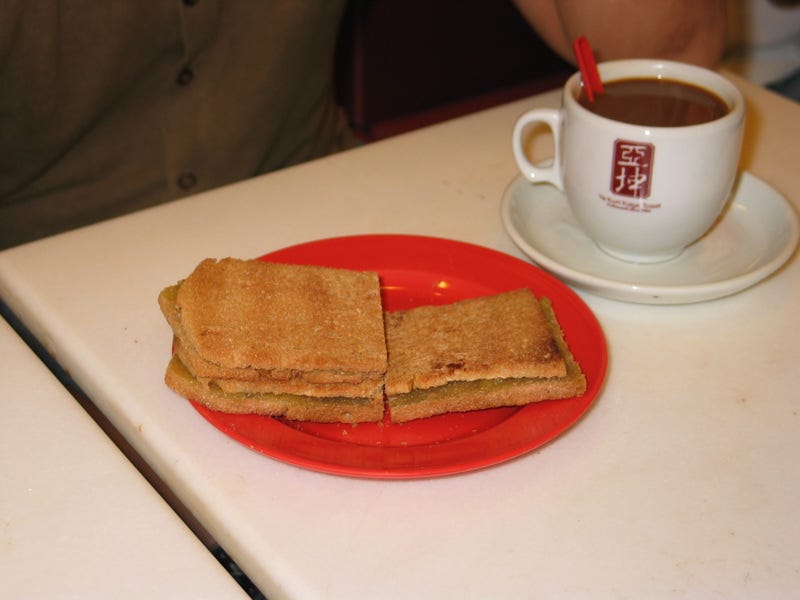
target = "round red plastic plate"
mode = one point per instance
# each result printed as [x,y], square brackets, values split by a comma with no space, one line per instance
[417,270]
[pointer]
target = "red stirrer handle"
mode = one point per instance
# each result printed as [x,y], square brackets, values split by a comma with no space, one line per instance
[591,77]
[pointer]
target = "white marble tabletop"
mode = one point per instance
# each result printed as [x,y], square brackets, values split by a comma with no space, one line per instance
[682,481]
[77,520]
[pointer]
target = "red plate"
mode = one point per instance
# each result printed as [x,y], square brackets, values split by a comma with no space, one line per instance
[422,270]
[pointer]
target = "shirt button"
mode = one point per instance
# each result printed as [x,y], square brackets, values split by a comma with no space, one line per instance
[187,180]
[185,76]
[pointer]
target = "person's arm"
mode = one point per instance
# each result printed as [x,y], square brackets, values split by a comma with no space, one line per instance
[686,30]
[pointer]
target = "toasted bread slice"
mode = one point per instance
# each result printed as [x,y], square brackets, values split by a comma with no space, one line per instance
[254,381]
[290,406]
[503,350]
[303,342]
[292,381]
[504,335]
[248,314]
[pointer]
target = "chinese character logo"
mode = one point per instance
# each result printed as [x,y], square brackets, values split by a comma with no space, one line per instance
[632,169]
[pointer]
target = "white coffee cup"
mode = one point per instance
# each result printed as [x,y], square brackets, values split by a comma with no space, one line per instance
[688,170]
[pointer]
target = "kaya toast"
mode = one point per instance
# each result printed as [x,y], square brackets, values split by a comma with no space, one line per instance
[501,350]
[298,341]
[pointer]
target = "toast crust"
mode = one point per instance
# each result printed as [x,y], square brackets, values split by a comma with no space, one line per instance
[314,344]
[295,341]
[314,383]
[500,336]
[289,406]
[467,395]
[248,314]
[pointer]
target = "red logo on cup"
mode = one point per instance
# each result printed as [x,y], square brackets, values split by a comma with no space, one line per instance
[632,168]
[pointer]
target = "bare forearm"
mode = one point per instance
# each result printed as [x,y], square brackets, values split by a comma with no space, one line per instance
[688,30]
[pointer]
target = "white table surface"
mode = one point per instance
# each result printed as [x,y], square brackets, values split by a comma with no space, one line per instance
[681,482]
[77,520]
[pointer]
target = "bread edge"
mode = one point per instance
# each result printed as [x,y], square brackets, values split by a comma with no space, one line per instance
[289,406]
[506,392]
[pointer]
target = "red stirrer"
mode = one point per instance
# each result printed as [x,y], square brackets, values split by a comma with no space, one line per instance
[591,78]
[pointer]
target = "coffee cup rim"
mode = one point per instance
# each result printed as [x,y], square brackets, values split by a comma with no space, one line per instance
[684,72]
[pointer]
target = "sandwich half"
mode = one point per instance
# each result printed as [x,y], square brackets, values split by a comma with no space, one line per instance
[487,352]
[296,341]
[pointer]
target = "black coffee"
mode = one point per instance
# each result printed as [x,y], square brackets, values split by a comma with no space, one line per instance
[656,102]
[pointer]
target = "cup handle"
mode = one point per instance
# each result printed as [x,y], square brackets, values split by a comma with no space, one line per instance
[542,173]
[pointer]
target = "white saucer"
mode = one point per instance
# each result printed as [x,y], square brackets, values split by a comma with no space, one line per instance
[757,234]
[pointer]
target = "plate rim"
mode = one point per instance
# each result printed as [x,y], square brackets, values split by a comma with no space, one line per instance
[651,293]
[582,403]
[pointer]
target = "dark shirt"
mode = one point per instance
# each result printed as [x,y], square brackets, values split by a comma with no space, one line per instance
[110,107]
